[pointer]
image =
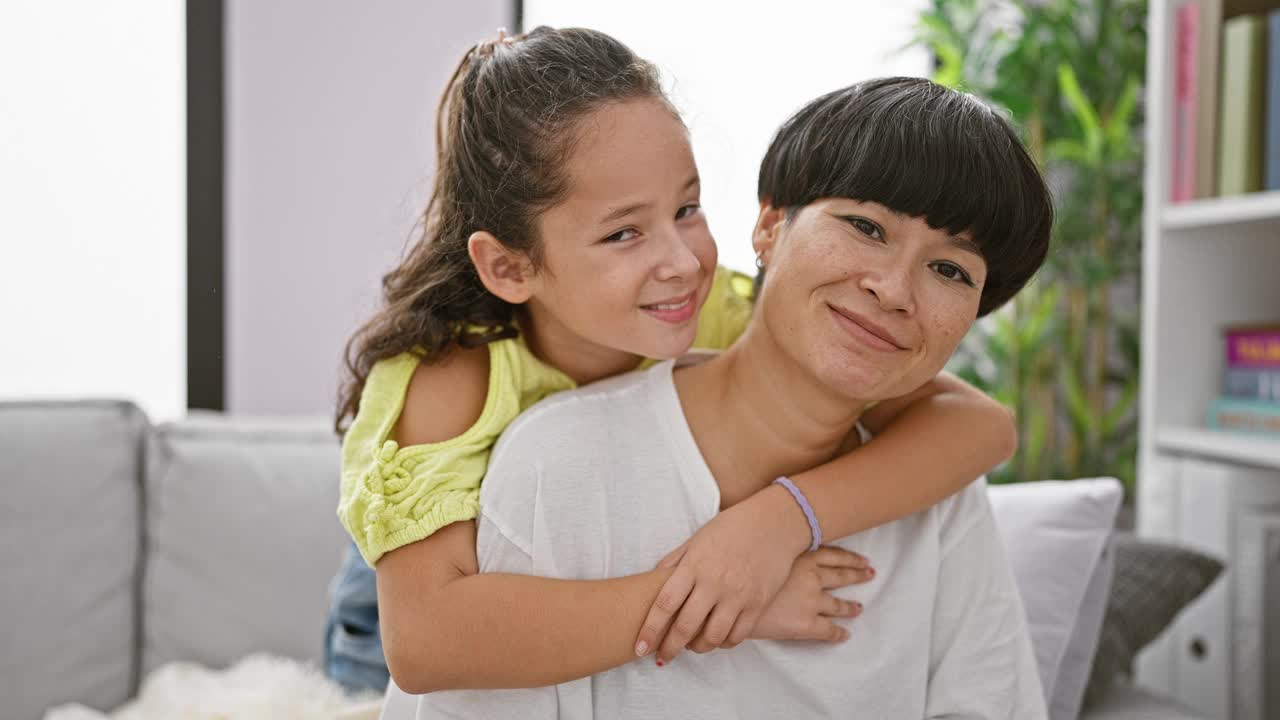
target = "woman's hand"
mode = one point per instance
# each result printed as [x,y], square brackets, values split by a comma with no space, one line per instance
[805,609]
[726,575]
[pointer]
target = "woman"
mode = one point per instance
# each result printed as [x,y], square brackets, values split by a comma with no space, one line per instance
[893,213]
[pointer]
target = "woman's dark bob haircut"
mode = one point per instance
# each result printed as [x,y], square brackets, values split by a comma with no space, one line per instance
[925,151]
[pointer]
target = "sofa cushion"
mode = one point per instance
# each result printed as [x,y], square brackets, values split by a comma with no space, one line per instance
[242,539]
[69,528]
[1154,582]
[1056,533]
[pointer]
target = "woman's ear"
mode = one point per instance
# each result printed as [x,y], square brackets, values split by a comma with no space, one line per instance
[768,227]
[504,272]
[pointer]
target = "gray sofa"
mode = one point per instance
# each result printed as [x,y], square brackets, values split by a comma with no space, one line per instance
[126,546]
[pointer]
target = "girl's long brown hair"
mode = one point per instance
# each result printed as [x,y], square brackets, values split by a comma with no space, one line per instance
[504,130]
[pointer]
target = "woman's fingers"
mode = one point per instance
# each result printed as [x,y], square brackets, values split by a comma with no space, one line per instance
[670,598]
[836,577]
[687,624]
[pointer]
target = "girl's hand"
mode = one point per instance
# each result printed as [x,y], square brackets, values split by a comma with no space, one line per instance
[804,609]
[726,575]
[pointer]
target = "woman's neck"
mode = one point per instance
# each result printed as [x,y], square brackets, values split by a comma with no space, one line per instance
[755,414]
[583,362]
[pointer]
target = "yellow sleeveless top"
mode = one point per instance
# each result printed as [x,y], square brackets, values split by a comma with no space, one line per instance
[392,496]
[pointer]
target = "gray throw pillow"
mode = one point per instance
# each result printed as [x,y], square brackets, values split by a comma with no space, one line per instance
[1153,583]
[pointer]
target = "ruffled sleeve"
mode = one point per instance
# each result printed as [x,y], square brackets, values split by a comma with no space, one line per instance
[393,496]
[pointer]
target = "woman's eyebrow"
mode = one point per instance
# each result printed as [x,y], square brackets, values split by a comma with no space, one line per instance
[965,244]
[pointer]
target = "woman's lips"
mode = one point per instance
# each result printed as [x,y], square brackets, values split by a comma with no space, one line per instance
[675,310]
[870,337]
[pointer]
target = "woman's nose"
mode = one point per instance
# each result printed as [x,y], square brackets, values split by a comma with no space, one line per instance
[892,287]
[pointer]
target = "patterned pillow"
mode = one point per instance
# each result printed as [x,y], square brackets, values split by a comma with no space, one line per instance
[1153,583]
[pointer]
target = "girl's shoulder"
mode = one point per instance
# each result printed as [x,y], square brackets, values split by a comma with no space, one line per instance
[444,399]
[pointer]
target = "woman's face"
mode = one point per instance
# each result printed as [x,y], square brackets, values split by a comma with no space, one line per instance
[628,258]
[873,303]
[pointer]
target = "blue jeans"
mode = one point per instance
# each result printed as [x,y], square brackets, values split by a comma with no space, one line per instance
[352,646]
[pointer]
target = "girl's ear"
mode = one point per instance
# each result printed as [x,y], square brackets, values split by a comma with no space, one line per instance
[768,228]
[506,273]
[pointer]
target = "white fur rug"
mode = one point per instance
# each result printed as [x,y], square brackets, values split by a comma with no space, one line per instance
[258,687]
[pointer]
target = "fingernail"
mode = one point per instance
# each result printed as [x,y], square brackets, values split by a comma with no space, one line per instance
[642,648]
[659,663]
[857,606]
[871,572]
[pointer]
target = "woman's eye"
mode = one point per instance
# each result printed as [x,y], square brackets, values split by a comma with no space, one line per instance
[621,236]
[687,211]
[866,227]
[952,271]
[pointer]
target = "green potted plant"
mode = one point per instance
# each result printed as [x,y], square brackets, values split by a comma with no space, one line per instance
[1064,355]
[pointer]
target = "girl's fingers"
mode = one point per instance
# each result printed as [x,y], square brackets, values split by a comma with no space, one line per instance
[833,606]
[687,624]
[836,577]
[716,630]
[742,628]
[673,558]
[824,629]
[830,556]
[670,599]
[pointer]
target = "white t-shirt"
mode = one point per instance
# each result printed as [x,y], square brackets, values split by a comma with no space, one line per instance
[604,481]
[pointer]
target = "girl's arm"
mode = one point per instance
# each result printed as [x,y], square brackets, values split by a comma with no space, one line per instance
[444,626]
[927,446]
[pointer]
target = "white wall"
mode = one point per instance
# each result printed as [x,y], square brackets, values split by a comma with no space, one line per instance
[330,132]
[737,70]
[93,201]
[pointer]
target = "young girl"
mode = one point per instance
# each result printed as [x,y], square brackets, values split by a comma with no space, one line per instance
[564,244]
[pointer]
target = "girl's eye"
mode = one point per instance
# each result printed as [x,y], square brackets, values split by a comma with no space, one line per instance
[866,227]
[687,211]
[621,236]
[954,272]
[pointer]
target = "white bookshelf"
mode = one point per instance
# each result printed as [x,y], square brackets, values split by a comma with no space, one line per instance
[1206,265]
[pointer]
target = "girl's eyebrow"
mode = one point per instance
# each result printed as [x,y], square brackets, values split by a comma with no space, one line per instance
[625,210]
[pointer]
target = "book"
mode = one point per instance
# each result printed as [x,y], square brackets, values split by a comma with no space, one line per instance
[1252,384]
[1273,101]
[1208,47]
[1240,134]
[1185,99]
[1253,347]
[1252,416]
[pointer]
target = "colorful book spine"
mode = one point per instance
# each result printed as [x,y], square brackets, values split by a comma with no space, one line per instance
[1253,348]
[1252,384]
[1208,97]
[1186,66]
[1273,101]
[1240,135]
[1245,416]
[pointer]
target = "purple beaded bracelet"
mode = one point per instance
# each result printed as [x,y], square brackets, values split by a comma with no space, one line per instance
[803,502]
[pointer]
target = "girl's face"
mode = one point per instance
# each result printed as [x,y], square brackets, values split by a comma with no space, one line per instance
[627,257]
[871,302]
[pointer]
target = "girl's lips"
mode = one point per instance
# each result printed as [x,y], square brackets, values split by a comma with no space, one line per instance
[674,311]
